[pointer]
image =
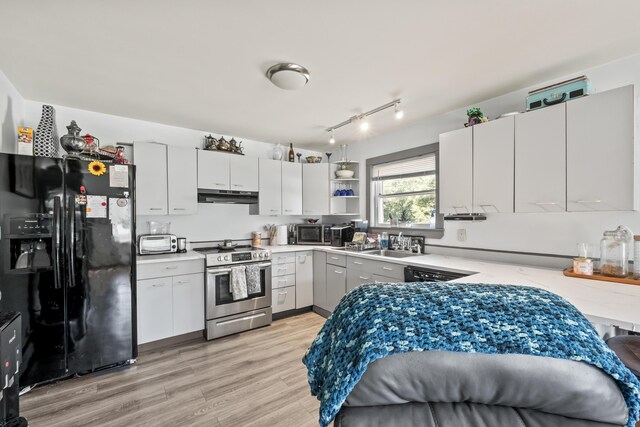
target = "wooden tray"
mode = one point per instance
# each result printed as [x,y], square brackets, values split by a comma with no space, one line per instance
[597,276]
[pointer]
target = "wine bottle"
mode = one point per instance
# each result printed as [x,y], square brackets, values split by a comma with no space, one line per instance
[292,155]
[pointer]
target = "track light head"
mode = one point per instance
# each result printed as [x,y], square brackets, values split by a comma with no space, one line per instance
[332,139]
[399,113]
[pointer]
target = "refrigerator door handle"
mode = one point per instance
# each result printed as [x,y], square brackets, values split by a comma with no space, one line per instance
[57,244]
[71,226]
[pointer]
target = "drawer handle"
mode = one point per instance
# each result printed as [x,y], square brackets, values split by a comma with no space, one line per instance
[335,257]
[545,203]
[302,259]
[588,201]
[238,185]
[179,209]
[175,267]
[180,282]
[357,263]
[155,209]
[364,278]
[337,272]
[282,293]
[377,282]
[387,268]
[158,285]
[219,184]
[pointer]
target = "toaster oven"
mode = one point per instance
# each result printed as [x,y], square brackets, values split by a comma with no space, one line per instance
[150,244]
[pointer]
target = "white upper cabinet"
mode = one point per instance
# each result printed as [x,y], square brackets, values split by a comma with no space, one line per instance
[456,176]
[315,188]
[600,155]
[540,160]
[291,188]
[270,192]
[244,173]
[213,170]
[151,178]
[182,180]
[493,166]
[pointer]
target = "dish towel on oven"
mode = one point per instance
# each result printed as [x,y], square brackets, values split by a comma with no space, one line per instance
[253,279]
[238,283]
[373,321]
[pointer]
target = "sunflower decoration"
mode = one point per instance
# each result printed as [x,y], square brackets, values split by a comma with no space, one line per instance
[97,168]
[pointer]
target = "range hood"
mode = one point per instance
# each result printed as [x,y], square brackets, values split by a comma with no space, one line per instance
[228,197]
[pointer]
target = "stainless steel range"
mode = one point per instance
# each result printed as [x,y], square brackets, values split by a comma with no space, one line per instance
[224,315]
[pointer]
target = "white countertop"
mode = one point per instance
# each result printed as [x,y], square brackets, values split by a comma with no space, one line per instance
[606,303]
[152,259]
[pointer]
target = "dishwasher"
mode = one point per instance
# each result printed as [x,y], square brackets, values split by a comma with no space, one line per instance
[426,274]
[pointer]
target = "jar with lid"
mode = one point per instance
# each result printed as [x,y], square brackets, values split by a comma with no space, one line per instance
[614,252]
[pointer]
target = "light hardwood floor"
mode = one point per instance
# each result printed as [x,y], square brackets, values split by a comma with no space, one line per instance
[251,379]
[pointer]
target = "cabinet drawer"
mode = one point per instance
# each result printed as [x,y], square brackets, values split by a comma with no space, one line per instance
[356,278]
[337,259]
[286,258]
[388,269]
[283,270]
[284,299]
[169,268]
[283,281]
[377,278]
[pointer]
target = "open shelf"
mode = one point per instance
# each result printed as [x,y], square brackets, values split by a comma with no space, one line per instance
[346,162]
[344,179]
[345,197]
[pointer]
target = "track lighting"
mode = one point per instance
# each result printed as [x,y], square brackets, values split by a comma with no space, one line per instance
[399,112]
[362,119]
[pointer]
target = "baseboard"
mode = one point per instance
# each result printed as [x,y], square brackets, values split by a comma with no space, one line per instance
[289,313]
[321,311]
[171,341]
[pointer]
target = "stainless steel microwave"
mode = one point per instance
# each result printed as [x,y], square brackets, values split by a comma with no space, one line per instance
[150,244]
[313,234]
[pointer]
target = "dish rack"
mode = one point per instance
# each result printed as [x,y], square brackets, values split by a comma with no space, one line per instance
[358,247]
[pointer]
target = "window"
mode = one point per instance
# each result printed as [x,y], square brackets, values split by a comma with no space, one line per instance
[404,191]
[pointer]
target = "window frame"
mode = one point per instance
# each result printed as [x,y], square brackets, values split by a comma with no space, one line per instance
[373,198]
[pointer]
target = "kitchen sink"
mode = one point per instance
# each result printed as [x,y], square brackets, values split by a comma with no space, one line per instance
[391,253]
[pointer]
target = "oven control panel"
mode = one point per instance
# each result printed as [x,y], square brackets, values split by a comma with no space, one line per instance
[238,257]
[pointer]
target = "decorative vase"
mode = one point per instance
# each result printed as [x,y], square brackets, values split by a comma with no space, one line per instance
[72,142]
[277,152]
[45,143]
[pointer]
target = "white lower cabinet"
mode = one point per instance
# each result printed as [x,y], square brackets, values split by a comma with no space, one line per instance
[291,281]
[304,279]
[169,304]
[188,303]
[356,278]
[336,285]
[155,308]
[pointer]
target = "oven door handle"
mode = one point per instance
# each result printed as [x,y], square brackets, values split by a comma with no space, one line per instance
[225,270]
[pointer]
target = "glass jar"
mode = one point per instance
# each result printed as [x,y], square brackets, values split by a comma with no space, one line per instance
[614,252]
[384,241]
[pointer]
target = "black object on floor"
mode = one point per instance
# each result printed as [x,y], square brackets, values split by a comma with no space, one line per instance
[10,358]
[627,347]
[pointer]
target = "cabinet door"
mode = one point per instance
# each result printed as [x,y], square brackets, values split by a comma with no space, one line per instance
[188,303]
[155,309]
[291,188]
[270,193]
[540,166]
[493,166]
[213,170]
[320,279]
[356,278]
[383,279]
[182,167]
[600,153]
[151,178]
[336,285]
[456,176]
[244,173]
[304,279]
[315,189]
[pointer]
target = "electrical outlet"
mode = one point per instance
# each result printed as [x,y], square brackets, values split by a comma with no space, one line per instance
[462,234]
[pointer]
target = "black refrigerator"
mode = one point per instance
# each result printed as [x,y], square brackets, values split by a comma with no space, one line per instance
[67,263]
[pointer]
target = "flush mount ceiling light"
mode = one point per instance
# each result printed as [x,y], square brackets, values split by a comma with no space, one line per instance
[289,76]
[362,121]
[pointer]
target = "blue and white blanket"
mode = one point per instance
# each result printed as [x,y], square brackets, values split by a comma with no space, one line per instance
[374,321]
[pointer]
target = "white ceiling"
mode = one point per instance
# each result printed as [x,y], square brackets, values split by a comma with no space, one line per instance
[201,63]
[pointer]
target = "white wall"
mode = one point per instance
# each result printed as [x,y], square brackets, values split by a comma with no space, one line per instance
[11,114]
[213,221]
[551,233]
